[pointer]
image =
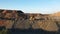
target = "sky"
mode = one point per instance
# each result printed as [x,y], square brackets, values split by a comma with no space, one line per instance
[32,6]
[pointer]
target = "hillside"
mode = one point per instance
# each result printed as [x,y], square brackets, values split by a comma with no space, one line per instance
[20,20]
[56,14]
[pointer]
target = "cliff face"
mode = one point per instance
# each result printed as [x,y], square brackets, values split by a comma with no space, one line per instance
[18,19]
